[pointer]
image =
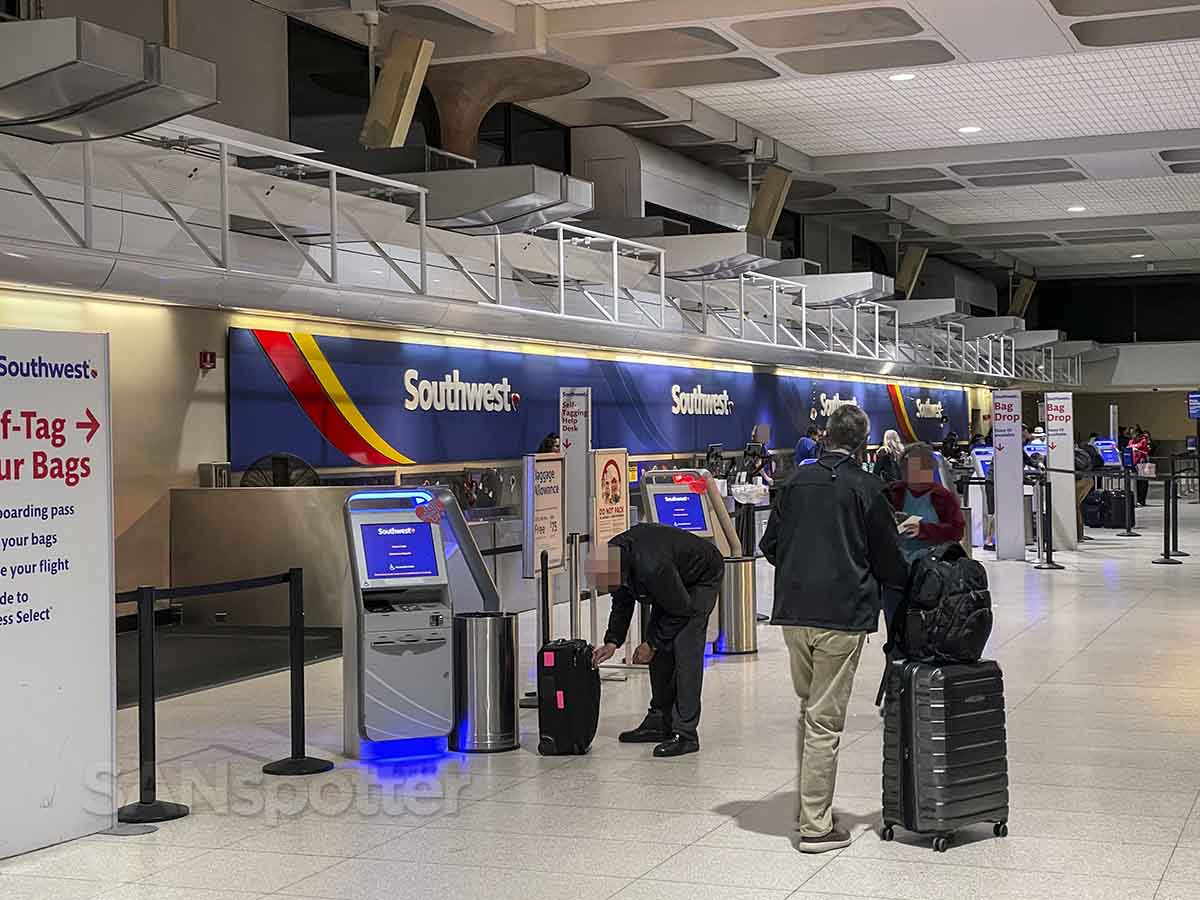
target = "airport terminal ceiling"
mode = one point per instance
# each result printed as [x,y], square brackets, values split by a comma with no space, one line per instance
[1053,137]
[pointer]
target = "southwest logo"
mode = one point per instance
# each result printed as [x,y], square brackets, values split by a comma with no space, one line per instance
[696,402]
[451,393]
[39,367]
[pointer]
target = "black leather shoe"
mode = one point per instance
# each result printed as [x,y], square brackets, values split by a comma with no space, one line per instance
[678,745]
[646,733]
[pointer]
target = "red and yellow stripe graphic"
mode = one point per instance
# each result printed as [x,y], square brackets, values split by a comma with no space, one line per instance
[904,424]
[315,386]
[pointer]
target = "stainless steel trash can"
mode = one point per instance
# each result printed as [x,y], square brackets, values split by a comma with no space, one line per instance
[485,683]
[737,608]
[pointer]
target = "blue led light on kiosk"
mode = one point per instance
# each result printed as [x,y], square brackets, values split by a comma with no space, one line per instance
[407,750]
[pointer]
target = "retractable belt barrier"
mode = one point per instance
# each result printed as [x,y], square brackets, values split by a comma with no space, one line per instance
[149,809]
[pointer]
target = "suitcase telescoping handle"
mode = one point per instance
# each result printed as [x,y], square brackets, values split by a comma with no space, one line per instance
[545,597]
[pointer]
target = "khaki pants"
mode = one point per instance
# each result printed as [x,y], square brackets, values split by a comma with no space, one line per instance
[823,667]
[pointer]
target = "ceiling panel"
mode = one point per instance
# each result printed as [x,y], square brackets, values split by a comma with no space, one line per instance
[1120,91]
[815,29]
[1131,196]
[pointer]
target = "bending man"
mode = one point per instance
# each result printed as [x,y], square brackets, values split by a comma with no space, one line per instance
[679,575]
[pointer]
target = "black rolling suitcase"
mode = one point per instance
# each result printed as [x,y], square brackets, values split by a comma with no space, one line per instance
[1093,510]
[945,756]
[568,698]
[1116,509]
[568,689]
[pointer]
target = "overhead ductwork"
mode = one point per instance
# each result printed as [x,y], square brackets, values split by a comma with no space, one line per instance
[70,80]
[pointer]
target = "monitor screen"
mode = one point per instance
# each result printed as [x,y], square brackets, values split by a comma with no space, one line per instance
[1109,452]
[683,509]
[399,550]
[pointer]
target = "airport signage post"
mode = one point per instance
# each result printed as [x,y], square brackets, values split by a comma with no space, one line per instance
[1060,442]
[544,512]
[575,433]
[609,495]
[1009,474]
[57,646]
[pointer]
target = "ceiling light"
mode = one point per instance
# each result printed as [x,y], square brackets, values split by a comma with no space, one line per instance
[1077,209]
[1137,256]
[902,76]
[970,129]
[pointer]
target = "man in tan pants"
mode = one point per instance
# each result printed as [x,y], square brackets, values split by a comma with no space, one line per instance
[832,540]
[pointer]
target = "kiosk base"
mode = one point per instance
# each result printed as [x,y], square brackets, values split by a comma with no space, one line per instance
[149,813]
[303,765]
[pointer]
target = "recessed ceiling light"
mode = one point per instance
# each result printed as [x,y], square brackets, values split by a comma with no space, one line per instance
[902,76]
[970,129]
[1076,208]
[1137,256]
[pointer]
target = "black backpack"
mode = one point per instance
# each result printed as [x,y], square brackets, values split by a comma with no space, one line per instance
[946,615]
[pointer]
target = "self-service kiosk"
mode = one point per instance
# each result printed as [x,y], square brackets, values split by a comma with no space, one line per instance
[1109,453]
[977,495]
[414,564]
[691,500]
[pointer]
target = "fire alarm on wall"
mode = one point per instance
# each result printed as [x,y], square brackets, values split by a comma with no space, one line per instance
[208,360]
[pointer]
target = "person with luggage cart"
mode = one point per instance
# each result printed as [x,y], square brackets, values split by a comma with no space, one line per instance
[832,540]
[679,575]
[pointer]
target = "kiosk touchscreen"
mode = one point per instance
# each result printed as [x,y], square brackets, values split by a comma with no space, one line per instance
[401,681]
[1109,453]
[983,457]
[682,509]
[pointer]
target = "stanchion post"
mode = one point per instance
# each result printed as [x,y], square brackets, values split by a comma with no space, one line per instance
[1128,532]
[573,583]
[1173,496]
[1165,559]
[1047,526]
[298,763]
[149,808]
[547,606]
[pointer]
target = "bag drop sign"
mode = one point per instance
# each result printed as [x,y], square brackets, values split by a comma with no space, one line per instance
[56,588]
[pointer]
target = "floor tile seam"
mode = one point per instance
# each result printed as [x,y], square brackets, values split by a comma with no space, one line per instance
[741,804]
[1048,678]
[943,861]
[678,845]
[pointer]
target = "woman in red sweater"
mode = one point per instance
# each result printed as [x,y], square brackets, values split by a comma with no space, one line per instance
[920,495]
[1139,446]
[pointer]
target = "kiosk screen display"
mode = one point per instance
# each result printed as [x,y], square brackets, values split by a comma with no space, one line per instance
[399,550]
[683,509]
[1109,452]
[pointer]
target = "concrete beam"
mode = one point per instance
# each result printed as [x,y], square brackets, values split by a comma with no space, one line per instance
[642,14]
[984,326]
[1035,340]
[1074,223]
[1130,269]
[954,155]
[496,16]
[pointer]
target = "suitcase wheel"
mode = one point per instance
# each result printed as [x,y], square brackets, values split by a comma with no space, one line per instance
[941,844]
[546,747]
[888,833]
[1000,829]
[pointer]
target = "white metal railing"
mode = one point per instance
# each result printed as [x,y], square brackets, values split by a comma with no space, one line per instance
[581,274]
[616,249]
[212,155]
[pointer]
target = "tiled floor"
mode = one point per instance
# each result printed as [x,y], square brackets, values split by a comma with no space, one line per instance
[1104,727]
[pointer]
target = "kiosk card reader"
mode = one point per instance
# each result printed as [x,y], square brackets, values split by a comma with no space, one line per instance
[413,564]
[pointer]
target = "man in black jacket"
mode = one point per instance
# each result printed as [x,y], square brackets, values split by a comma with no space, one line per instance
[832,540]
[679,575]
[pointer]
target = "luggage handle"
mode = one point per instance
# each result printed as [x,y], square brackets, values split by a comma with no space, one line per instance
[545,561]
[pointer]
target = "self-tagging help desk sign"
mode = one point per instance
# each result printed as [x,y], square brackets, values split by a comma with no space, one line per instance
[57,705]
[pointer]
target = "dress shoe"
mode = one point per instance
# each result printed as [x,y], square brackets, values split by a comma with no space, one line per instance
[652,731]
[677,745]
